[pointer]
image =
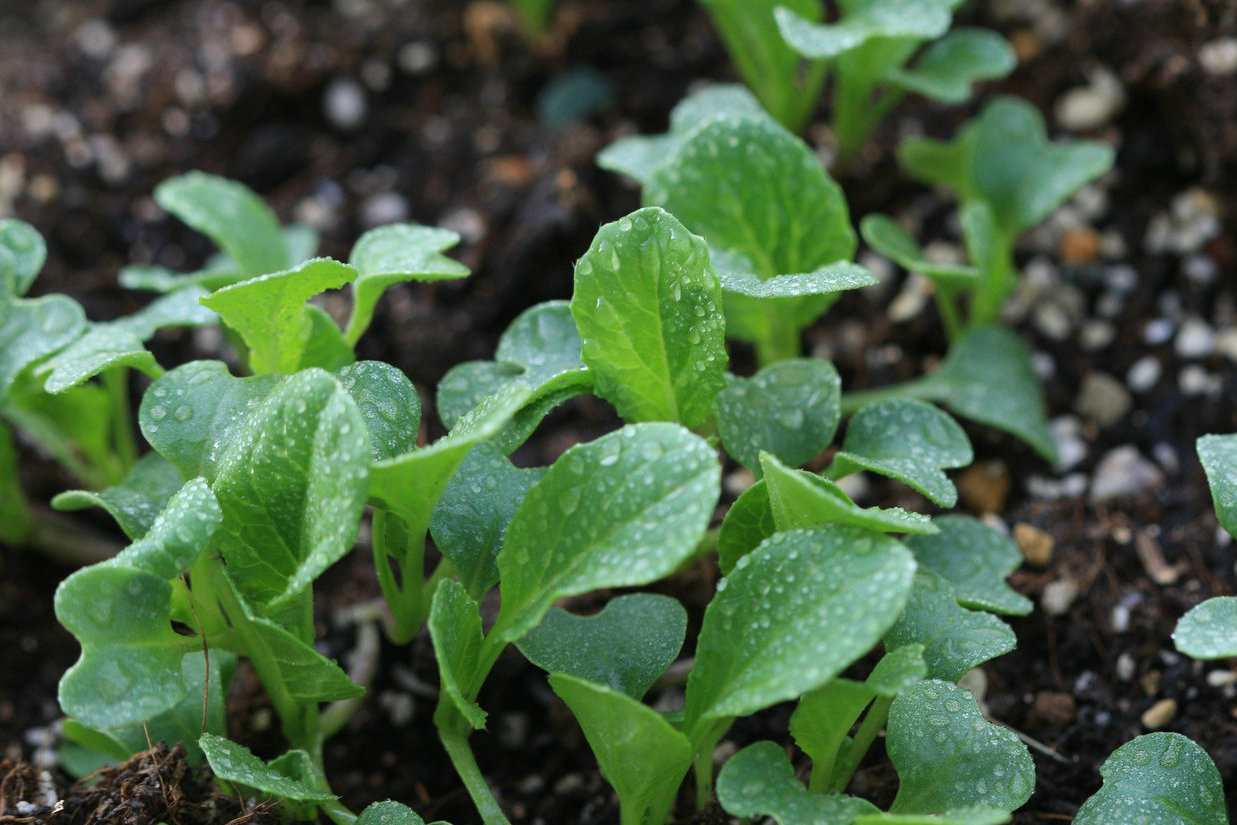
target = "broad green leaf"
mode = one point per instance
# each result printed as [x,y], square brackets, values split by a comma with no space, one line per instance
[954,639]
[863,22]
[638,156]
[987,377]
[394,254]
[33,329]
[135,502]
[759,781]
[194,413]
[908,440]
[758,196]
[470,519]
[624,510]
[966,816]
[625,647]
[389,813]
[237,764]
[1156,779]
[76,428]
[389,406]
[756,309]
[648,308]
[182,308]
[292,485]
[100,349]
[324,346]
[789,408]
[948,67]
[465,385]
[231,215]
[748,522]
[884,235]
[544,341]
[26,249]
[1209,630]
[637,750]
[975,559]
[455,629]
[178,534]
[154,278]
[897,670]
[949,757]
[269,311]
[794,613]
[802,499]
[1218,453]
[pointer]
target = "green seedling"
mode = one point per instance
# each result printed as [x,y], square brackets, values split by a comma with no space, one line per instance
[1158,777]
[1209,631]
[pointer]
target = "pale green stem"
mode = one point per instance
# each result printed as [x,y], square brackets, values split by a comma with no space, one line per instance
[872,723]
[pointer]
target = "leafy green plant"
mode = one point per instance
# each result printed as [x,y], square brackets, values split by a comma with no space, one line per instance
[785,53]
[1007,177]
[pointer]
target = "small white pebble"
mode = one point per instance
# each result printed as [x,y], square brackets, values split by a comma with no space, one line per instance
[1194,380]
[1195,339]
[1058,596]
[1126,667]
[1219,57]
[344,104]
[1144,374]
[1097,334]
[1157,331]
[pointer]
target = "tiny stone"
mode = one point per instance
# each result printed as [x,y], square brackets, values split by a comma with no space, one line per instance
[1102,398]
[738,481]
[1123,472]
[1159,714]
[1036,545]
[1058,596]
[376,74]
[1053,708]
[95,38]
[1121,278]
[1220,678]
[1219,57]
[1052,321]
[1194,380]
[384,208]
[1126,667]
[1071,447]
[1157,331]
[911,299]
[1144,374]
[344,104]
[1200,269]
[1109,305]
[1051,489]
[1079,245]
[417,57]
[467,222]
[984,485]
[1097,334]
[1195,339]
[1226,342]
[1093,105]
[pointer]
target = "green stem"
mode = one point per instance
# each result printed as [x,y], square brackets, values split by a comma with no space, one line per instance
[457,747]
[996,283]
[872,723]
[946,304]
[782,341]
[706,735]
[925,389]
[116,385]
[409,606]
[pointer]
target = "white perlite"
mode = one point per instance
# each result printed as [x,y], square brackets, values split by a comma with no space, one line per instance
[1123,472]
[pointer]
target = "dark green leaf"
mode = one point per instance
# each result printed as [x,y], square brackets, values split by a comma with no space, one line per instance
[455,628]
[32,329]
[884,235]
[1218,453]
[236,763]
[1209,630]
[863,22]
[100,349]
[388,813]
[948,67]
[134,503]
[1156,779]
[975,559]
[759,781]
[389,406]
[27,250]
[748,522]
[229,214]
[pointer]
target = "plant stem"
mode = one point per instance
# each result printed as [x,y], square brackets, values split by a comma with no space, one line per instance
[116,385]
[872,723]
[996,283]
[925,389]
[946,304]
[781,343]
[465,763]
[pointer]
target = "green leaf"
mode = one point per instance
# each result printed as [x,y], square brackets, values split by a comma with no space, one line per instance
[389,406]
[269,311]
[625,647]
[178,534]
[802,499]
[292,485]
[16,518]
[134,503]
[756,310]
[949,757]
[455,629]
[325,346]
[863,22]
[948,67]
[1209,630]
[980,362]
[789,408]
[954,639]
[33,329]
[624,510]
[908,440]
[975,559]
[965,816]
[637,750]
[182,308]
[544,341]
[465,385]
[638,156]
[388,813]
[648,308]
[100,349]
[236,763]
[231,215]
[748,522]
[759,781]
[28,252]
[1155,779]
[794,613]
[1218,454]
[470,520]
[887,237]
[395,254]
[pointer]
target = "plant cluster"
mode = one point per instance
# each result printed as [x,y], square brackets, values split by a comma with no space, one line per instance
[261,473]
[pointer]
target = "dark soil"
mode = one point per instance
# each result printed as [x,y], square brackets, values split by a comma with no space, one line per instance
[105,99]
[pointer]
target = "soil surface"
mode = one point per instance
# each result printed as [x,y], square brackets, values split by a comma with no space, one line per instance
[355,113]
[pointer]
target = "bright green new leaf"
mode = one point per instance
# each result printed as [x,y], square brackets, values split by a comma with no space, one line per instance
[748,522]
[1157,778]
[178,533]
[954,639]
[135,502]
[947,68]
[975,559]
[389,406]
[100,349]
[759,781]
[471,517]
[949,757]
[34,328]
[182,308]
[908,440]
[455,629]
[624,510]
[292,485]
[394,254]
[625,647]
[231,215]
[269,311]
[237,764]
[788,408]
[637,750]
[28,252]
[649,311]
[884,235]
[759,310]
[325,346]
[794,613]
[864,22]
[1218,453]
[1209,630]
[389,813]
[802,499]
